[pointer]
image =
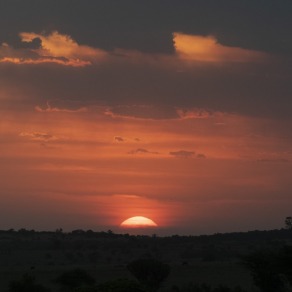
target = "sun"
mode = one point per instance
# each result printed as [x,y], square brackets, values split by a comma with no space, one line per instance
[138,222]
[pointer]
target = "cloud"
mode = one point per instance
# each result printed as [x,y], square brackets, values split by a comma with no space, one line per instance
[38,136]
[182,154]
[201,156]
[27,56]
[61,45]
[103,26]
[64,50]
[267,160]
[50,109]
[126,196]
[195,113]
[142,151]
[119,139]
[53,48]
[123,139]
[142,112]
[21,61]
[155,112]
[207,49]
[58,167]
[175,90]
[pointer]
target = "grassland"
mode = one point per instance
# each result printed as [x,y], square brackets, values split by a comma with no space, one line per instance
[214,259]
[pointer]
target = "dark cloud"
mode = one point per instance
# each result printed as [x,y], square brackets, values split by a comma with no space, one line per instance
[182,154]
[142,151]
[148,25]
[152,86]
[143,112]
[123,139]
[35,43]
[145,90]
[187,154]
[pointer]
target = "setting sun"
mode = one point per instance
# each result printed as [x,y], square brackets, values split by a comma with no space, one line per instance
[138,221]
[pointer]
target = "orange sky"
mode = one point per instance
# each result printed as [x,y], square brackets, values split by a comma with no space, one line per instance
[87,169]
[89,138]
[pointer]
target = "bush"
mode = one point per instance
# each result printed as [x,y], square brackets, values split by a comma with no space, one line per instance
[120,285]
[26,284]
[149,272]
[73,279]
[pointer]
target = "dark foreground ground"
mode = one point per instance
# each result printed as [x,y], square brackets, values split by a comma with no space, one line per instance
[215,259]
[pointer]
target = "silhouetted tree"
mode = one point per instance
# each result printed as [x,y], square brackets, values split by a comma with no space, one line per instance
[59,230]
[73,279]
[110,232]
[26,284]
[271,270]
[288,223]
[149,272]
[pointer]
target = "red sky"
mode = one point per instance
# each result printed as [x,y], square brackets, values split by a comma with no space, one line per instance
[198,140]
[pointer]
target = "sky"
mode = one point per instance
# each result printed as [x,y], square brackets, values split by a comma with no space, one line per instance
[178,111]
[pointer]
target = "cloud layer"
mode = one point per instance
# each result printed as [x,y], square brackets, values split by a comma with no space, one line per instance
[113,109]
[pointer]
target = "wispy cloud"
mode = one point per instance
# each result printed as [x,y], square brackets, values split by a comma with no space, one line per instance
[142,112]
[142,151]
[126,196]
[119,139]
[59,61]
[39,136]
[195,113]
[182,154]
[201,156]
[50,109]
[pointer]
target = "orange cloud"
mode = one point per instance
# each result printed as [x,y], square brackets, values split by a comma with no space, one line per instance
[50,109]
[207,49]
[54,48]
[73,63]
[58,45]
[64,50]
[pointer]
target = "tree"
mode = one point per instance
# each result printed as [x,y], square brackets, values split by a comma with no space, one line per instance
[149,272]
[288,223]
[271,270]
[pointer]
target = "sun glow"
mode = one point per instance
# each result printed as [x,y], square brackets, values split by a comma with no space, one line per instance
[138,221]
